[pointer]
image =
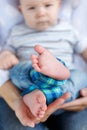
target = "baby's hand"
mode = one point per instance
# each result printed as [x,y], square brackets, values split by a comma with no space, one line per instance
[7,60]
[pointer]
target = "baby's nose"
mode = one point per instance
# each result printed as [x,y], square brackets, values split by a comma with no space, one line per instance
[41,12]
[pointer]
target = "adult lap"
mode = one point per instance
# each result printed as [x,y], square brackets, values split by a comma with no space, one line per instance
[8,120]
[69,121]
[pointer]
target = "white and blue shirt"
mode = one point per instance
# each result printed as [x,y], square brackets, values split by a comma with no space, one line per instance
[61,39]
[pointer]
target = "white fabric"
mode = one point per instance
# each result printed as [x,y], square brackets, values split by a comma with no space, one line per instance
[75,11]
[9,16]
[4,76]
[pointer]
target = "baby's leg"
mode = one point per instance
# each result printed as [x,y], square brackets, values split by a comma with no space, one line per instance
[48,65]
[19,75]
[36,102]
[76,82]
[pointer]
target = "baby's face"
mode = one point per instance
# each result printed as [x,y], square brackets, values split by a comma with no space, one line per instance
[40,14]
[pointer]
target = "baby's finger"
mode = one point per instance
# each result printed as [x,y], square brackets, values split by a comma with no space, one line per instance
[14,62]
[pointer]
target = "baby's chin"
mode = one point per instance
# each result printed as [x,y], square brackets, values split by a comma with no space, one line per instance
[42,28]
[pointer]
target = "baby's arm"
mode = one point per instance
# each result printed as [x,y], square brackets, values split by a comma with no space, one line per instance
[7,60]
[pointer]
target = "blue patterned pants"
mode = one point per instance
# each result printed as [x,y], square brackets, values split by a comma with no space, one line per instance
[27,79]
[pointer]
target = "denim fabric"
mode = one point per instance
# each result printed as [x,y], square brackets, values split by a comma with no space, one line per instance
[8,120]
[65,121]
[75,83]
[68,121]
[20,76]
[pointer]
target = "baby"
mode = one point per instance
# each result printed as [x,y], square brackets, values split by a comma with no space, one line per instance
[48,78]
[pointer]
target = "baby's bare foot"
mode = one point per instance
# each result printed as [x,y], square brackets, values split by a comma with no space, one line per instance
[47,64]
[36,102]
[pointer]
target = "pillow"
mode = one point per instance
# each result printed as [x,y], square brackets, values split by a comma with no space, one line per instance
[9,16]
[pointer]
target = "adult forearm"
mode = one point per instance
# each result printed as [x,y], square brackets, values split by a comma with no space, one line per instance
[13,98]
[10,93]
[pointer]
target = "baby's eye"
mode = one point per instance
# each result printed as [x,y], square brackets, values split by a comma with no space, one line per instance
[48,5]
[31,8]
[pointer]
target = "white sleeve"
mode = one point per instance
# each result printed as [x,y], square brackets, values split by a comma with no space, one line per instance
[4,76]
[81,41]
[82,44]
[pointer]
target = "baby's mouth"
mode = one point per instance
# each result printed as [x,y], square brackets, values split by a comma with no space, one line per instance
[42,22]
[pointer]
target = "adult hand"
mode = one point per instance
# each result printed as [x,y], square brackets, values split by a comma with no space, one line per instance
[55,106]
[25,116]
[78,104]
[23,113]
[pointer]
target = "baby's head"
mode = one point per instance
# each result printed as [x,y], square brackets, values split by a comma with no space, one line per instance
[40,14]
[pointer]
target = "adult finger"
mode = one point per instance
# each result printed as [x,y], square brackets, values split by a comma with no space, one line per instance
[75,108]
[76,103]
[55,106]
[83,92]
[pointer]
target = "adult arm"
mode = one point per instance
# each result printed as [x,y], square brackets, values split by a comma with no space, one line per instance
[78,104]
[7,91]
[13,97]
